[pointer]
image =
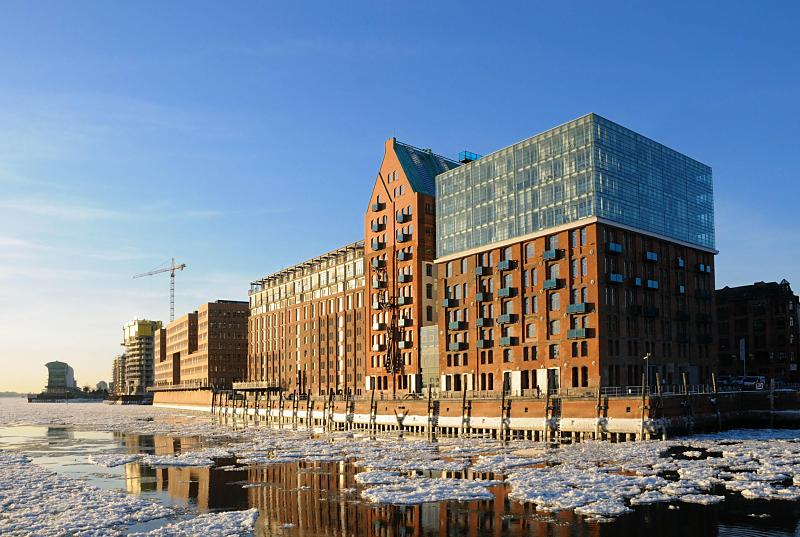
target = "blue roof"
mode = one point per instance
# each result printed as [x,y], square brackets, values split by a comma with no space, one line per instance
[421,166]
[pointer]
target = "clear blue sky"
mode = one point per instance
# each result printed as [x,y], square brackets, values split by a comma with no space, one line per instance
[243,137]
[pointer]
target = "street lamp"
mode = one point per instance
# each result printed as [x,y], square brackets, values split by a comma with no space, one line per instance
[647,368]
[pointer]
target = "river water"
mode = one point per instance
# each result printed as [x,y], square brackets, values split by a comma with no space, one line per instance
[321,498]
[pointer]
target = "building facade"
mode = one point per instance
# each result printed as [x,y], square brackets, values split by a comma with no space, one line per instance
[118,381]
[566,258]
[138,339]
[306,329]
[757,327]
[400,239]
[205,348]
[60,378]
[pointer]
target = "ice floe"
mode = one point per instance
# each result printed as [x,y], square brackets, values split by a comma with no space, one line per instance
[224,524]
[423,490]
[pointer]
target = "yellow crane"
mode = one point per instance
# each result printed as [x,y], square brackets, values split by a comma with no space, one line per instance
[171,269]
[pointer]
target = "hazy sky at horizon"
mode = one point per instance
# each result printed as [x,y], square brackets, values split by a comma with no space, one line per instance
[243,140]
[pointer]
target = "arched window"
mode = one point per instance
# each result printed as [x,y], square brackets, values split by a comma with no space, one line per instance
[574,377]
[584,376]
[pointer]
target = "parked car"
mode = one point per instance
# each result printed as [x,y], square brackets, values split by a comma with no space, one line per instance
[754,383]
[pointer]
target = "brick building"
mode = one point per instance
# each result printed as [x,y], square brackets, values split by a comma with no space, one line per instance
[203,348]
[757,327]
[306,329]
[400,238]
[565,258]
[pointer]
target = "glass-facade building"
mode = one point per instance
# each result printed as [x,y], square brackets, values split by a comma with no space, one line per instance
[589,167]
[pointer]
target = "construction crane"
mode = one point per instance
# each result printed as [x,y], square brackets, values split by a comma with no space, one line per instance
[171,269]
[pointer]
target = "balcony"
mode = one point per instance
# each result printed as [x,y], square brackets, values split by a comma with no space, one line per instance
[404,278]
[652,284]
[680,262]
[576,333]
[378,347]
[403,237]
[485,343]
[378,262]
[581,307]
[483,322]
[637,282]
[402,218]
[614,248]
[404,256]
[649,311]
[483,271]
[378,326]
[376,305]
[508,341]
[506,264]
[457,325]
[403,344]
[552,283]
[377,226]
[506,318]
[483,296]
[615,278]
[404,300]
[702,293]
[378,284]
[378,206]
[651,256]
[635,310]
[507,292]
[551,255]
[681,289]
[405,322]
[449,303]
[377,245]
[457,346]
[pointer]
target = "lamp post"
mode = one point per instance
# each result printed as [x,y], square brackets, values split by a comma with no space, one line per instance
[647,368]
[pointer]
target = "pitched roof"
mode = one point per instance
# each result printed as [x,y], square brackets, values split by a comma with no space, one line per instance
[421,166]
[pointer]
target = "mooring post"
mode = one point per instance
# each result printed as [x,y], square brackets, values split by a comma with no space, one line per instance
[644,407]
[599,414]
[546,431]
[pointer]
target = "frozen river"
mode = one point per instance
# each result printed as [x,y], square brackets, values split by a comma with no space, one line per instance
[93,469]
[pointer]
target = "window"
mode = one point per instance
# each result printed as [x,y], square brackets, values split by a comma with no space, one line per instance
[553,351]
[449,270]
[429,313]
[464,266]
[575,234]
[506,355]
[530,330]
[584,267]
[507,253]
[555,302]
[428,269]
[574,268]
[530,251]
[555,327]
[583,236]
[429,290]
[552,242]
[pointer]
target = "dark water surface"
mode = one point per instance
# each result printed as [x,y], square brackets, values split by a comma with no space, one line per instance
[315,499]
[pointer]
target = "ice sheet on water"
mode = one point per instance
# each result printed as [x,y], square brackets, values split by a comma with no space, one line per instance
[204,457]
[423,490]
[380,477]
[110,461]
[35,501]
[224,524]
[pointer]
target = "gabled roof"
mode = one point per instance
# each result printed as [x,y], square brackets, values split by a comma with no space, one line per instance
[421,166]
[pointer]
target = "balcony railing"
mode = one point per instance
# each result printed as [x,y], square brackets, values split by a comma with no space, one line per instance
[581,307]
[506,264]
[405,322]
[551,255]
[378,347]
[705,269]
[404,300]
[378,206]
[378,226]
[404,278]
[702,293]
[483,322]
[614,248]
[402,218]
[377,245]
[576,333]
[483,297]
[457,346]
[404,256]
[457,325]
[378,262]
[508,341]
[449,303]
[651,256]
[379,284]
[403,237]
[483,271]
[485,343]
[652,284]
[403,344]
[379,326]
[552,283]
[506,318]
[506,292]
[616,278]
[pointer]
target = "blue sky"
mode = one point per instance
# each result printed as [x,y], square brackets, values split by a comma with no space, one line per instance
[244,138]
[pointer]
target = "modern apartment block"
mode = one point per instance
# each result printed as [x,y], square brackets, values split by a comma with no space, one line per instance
[204,348]
[400,239]
[758,330]
[566,258]
[138,340]
[306,329]
[60,378]
[118,381]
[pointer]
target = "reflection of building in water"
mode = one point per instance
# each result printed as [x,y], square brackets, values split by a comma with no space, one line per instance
[59,433]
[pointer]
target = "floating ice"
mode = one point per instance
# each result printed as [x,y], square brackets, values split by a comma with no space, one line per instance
[110,461]
[423,490]
[224,524]
[380,477]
